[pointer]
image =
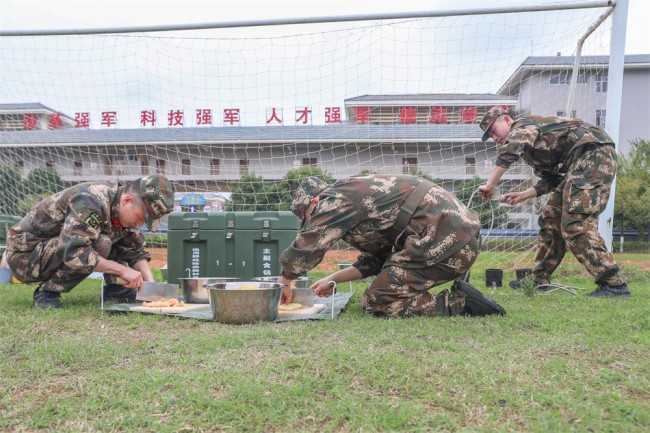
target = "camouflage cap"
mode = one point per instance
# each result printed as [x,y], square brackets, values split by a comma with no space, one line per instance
[308,189]
[493,114]
[158,198]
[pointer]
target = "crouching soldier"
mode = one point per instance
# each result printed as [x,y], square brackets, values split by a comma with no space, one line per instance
[90,227]
[411,233]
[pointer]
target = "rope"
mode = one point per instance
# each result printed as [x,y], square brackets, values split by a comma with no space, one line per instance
[546,288]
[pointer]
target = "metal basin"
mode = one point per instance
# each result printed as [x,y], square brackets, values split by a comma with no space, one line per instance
[242,302]
[302,291]
[194,290]
[301,282]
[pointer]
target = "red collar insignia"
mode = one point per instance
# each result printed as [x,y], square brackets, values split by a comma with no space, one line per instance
[116,222]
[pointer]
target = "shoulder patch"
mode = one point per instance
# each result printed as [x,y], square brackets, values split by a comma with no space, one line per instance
[93,220]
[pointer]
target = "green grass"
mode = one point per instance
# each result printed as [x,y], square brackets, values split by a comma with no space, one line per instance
[555,363]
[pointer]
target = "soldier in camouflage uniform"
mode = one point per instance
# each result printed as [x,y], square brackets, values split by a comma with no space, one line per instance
[439,243]
[89,227]
[576,164]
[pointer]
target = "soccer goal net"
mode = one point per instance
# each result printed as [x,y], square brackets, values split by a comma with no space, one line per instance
[236,116]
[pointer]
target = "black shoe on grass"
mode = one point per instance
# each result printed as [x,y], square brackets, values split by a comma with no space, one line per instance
[476,303]
[607,291]
[119,293]
[45,299]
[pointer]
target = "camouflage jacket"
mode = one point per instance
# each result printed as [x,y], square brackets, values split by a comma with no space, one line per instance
[83,217]
[545,143]
[361,210]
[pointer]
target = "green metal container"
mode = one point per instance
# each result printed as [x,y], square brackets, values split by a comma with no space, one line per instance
[227,244]
[258,240]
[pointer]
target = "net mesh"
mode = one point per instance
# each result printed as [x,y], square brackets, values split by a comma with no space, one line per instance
[237,115]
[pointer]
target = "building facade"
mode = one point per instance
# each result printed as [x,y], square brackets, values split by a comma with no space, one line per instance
[541,86]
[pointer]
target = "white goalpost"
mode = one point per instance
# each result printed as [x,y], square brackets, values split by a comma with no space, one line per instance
[233,112]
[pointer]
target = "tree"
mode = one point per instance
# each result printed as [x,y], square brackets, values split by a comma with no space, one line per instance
[250,195]
[44,180]
[632,200]
[428,177]
[28,202]
[491,216]
[290,182]
[11,189]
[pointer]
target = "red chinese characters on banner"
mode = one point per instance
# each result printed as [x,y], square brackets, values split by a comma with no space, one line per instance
[407,115]
[29,121]
[438,115]
[362,115]
[148,116]
[82,120]
[204,116]
[54,121]
[303,115]
[175,118]
[468,115]
[109,118]
[332,114]
[231,116]
[275,116]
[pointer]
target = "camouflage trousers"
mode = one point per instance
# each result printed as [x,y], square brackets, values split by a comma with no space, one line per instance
[43,264]
[402,292]
[569,219]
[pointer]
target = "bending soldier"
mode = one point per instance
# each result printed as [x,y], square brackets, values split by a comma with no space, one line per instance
[411,233]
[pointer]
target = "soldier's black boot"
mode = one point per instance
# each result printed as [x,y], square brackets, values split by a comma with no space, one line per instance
[607,291]
[476,303]
[45,299]
[119,293]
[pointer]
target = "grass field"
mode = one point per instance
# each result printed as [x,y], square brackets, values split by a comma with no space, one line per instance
[555,363]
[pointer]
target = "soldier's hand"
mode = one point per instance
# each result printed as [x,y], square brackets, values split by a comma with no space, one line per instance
[133,278]
[323,288]
[513,198]
[486,191]
[287,295]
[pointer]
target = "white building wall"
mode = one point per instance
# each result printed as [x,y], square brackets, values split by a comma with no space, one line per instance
[635,113]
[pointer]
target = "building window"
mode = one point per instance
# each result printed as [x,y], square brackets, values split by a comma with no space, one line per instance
[215,166]
[601,83]
[160,166]
[561,78]
[186,168]
[409,165]
[470,165]
[309,162]
[582,78]
[601,116]
[78,168]
[243,166]
[563,113]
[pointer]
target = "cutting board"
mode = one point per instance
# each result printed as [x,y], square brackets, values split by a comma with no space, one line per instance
[305,311]
[169,310]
